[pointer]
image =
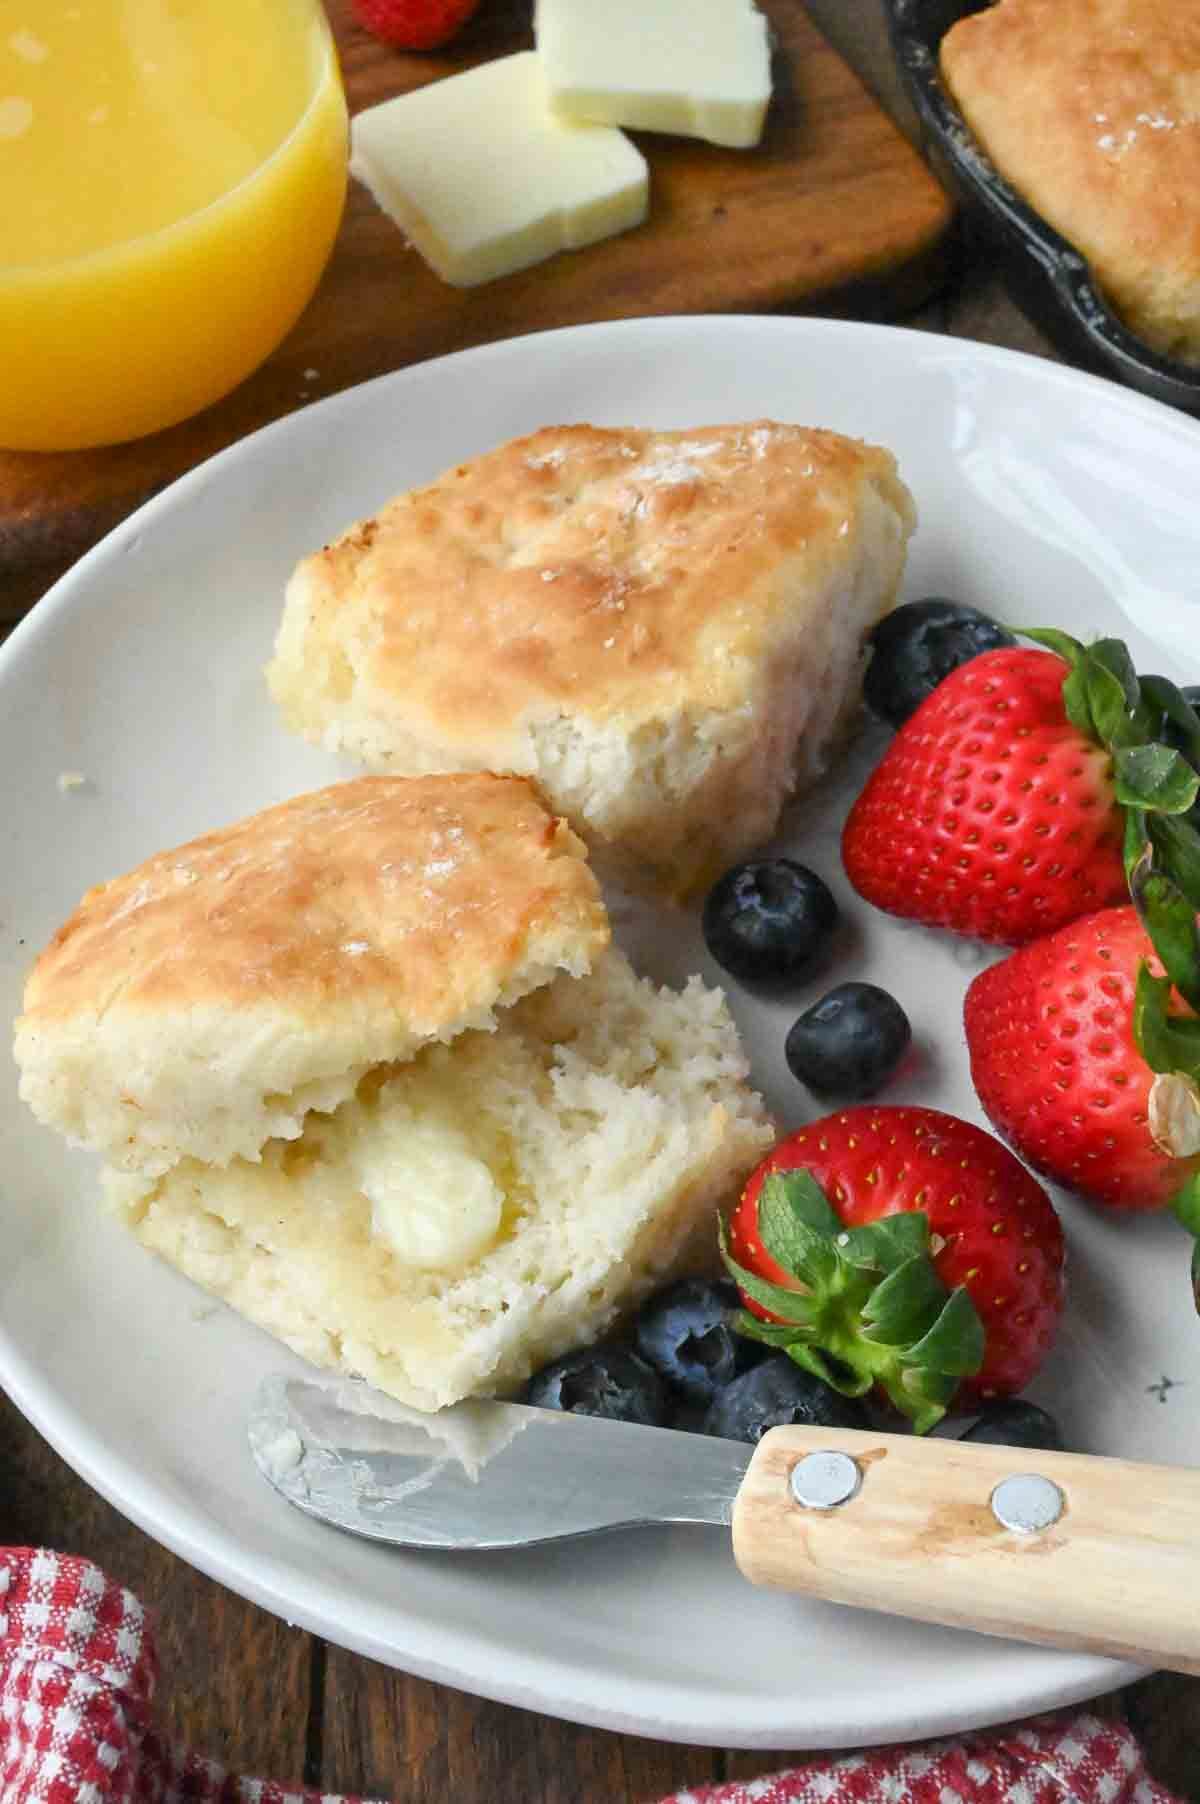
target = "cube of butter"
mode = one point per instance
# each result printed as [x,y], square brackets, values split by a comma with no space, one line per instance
[484,179]
[698,68]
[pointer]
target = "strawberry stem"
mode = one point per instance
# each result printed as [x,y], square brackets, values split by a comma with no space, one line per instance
[862,1307]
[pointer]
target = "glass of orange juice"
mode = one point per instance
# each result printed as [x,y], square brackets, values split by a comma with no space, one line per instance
[172,175]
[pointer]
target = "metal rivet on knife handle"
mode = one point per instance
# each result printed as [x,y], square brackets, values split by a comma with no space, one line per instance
[1027,1503]
[821,1481]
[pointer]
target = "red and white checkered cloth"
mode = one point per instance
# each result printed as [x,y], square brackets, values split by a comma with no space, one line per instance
[77,1679]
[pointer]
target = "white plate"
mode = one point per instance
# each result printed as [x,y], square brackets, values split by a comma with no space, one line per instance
[1044,496]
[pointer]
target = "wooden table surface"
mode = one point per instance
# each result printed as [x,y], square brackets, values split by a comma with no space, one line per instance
[263,1698]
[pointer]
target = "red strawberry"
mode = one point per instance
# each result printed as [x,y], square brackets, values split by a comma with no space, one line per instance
[903,1248]
[414,24]
[1053,1036]
[992,813]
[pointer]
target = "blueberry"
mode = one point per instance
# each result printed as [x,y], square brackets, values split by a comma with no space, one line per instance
[768,920]
[685,1333]
[1015,1423]
[779,1392]
[849,1043]
[916,645]
[601,1381]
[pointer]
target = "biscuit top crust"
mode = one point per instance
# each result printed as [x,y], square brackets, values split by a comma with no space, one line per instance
[203,1002]
[423,896]
[1091,108]
[592,572]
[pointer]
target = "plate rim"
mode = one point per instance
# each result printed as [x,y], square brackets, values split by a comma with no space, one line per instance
[1082,1676]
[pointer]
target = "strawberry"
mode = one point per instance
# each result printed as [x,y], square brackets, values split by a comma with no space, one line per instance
[1085,1046]
[903,1248]
[999,809]
[414,24]
[1056,1033]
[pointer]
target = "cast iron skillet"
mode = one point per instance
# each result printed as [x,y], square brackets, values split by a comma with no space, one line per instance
[1048,279]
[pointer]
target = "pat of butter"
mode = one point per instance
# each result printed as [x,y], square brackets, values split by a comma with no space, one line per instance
[698,68]
[485,179]
[432,1199]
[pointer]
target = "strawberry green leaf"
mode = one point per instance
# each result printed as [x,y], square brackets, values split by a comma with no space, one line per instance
[1167,1042]
[1154,777]
[865,1249]
[1077,703]
[1175,845]
[1140,719]
[850,1384]
[1170,920]
[1150,998]
[796,1309]
[789,1341]
[1070,650]
[904,1305]
[801,1196]
[922,1395]
[955,1343]
[887,1243]
[1183,1039]
[1112,655]
[1137,851]
[771,1334]
[1186,1205]
[1108,704]
[1104,697]
[791,1229]
[1074,689]
[1175,705]
[794,1305]
[1101,693]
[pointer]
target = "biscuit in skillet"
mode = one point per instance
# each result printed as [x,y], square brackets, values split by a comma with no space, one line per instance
[1091,110]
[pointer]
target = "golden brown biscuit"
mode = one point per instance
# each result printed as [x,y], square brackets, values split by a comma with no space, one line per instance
[207,1000]
[366,1067]
[664,629]
[1091,109]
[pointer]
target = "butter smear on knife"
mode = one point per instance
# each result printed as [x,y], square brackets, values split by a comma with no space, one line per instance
[698,68]
[484,179]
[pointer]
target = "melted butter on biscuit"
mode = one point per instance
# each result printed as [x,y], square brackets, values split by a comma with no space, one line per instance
[433,1199]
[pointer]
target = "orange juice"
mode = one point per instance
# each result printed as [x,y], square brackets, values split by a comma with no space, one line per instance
[172,174]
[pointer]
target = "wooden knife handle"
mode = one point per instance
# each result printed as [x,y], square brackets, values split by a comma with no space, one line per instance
[1117,1573]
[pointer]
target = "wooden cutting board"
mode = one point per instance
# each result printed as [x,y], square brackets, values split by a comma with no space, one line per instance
[834,212]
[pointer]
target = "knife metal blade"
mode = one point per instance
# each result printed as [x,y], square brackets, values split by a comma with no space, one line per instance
[480,1474]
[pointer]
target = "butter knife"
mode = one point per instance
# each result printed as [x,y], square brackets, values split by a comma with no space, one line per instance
[1062,1549]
